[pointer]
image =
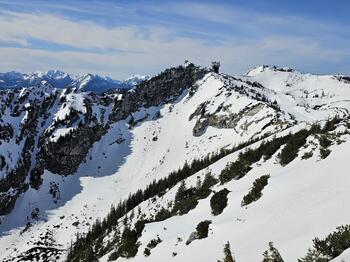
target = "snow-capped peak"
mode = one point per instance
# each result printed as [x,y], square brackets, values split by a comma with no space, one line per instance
[136,79]
[263,68]
[57,74]
[254,71]
[60,79]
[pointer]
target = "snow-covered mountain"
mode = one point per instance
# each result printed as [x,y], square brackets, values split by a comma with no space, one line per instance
[59,79]
[190,159]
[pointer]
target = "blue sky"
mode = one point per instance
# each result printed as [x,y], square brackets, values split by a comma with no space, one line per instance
[120,38]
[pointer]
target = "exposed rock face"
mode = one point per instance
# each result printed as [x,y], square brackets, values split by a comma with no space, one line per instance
[2,162]
[193,236]
[63,157]
[223,115]
[225,121]
[14,181]
[6,132]
[26,138]
[158,90]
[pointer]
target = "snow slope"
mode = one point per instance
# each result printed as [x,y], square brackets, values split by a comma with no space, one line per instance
[307,97]
[301,201]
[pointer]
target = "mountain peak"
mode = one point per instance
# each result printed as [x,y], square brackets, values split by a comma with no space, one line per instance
[263,68]
[136,79]
[54,73]
[60,79]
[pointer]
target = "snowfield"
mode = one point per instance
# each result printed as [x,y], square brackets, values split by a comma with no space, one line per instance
[306,191]
[305,199]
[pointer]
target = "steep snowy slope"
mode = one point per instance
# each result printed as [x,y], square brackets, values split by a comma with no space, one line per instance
[92,151]
[301,201]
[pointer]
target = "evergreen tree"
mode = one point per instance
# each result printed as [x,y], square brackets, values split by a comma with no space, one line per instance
[154,242]
[204,190]
[147,252]
[181,192]
[330,247]
[128,246]
[185,199]
[203,229]
[227,254]
[198,183]
[290,151]
[324,152]
[272,254]
[162,214]
[313,256]
[255,192]
[335,243]
[324,141]
[219,201]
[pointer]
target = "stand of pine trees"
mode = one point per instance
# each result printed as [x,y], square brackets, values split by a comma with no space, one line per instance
[255,192]
[79,249]
[330,247]
[186,199]
[82,249]
[292,142]
[291,149]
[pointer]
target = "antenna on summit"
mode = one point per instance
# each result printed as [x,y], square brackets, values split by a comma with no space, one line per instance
[215,65]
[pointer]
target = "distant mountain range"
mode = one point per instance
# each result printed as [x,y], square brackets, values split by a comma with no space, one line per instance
[59,79]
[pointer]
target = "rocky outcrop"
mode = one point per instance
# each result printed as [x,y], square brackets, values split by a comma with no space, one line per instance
[2,162]
[14,182]
[64,156]
[226,120]
[165,87]
[10,189]
[6,132]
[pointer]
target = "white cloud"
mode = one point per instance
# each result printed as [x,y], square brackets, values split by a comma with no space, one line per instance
[122,50]
[59,30]
[234,57]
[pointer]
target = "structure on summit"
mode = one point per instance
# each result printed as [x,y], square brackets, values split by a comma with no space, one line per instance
[215,65]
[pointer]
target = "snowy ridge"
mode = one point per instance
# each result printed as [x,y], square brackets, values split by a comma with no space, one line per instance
[218,112]
[307,97]
[59,79]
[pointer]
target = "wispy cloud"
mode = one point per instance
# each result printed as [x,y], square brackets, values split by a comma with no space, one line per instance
[155,37]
